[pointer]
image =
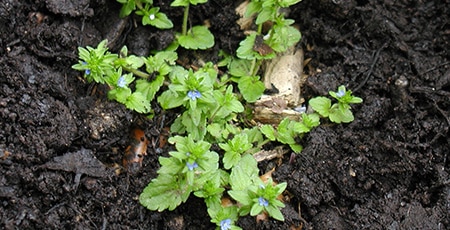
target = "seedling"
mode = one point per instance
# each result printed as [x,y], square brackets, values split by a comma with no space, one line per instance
[187,170]
[288,130]
[337,112]
[261,198]
[282,35]
[225,218]
[150,15]
[198,37]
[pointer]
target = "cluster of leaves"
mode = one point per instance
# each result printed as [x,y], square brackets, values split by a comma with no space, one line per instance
[150,14]
[193,168]
[337,112]
[101,66]
[282,35]
[198,37]
[210,106]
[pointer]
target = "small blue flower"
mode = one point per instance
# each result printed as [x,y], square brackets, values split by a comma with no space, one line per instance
[191,166]
[194,94]
[340,93]
[86,71]
[121,82]
[225,224]
[263,202]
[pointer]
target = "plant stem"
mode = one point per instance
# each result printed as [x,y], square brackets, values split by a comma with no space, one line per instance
[139,5]
[260,145]
[260,28]
[137,72]
[211,119]
[255,67]
[185,19]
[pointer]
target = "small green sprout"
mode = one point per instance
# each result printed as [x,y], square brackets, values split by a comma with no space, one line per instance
[186,170]
[198,37]
[101,66]
[261,198]
[225,218]
[279,38]
[288,130]
[150,15]
[337,112]
[96,63]
[234,148]
[241,72]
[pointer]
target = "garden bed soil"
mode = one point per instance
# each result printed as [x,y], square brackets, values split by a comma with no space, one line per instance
[389,169]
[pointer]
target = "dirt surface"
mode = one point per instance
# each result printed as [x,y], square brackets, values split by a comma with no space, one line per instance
[389,169]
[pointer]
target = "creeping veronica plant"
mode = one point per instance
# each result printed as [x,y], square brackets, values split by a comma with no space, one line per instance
[211,111]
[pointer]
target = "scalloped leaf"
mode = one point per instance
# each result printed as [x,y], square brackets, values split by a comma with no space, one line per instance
[199,37]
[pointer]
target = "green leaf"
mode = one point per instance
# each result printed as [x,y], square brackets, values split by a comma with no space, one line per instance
[239,67]
[287,3]
[195,2]
[137,101]
[254,135]
[195,116]
[228,103]
[321,105]
[285,137]
[271,4]
[119,94]
[301,127]
[356,100]
[275,213]
[337,116]
[170,165]
[269,132]
[267,14]
[162,62]
[161,21]
[256,209]
[197,131]
[215,130]
[199,37]
[251,88]
[134,62]
[240,196]
[252,8]
[296,148]
[224,213]
[286,132]
[127,7]
[157,19]
[308,122]
[169,99]
[244,173]
[187,2]
[283,37]
[149,89]
[311,120]
[230,159]
[119,80]
[164,193]
[97,63]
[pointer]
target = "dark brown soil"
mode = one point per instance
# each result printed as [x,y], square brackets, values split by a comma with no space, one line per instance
[389,169]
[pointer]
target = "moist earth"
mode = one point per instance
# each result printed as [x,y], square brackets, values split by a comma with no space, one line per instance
[389,169]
